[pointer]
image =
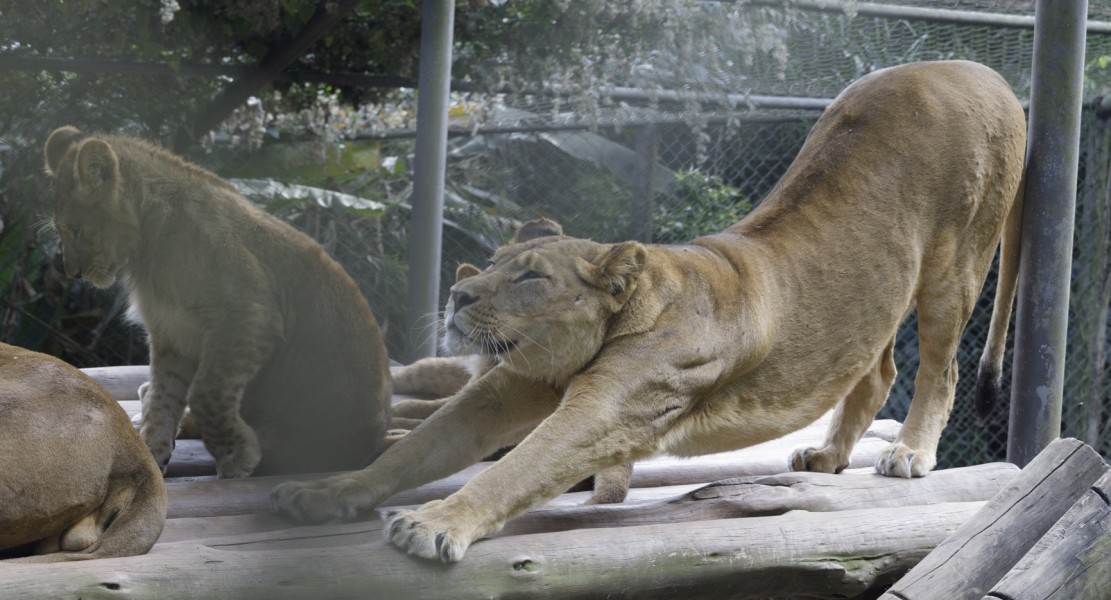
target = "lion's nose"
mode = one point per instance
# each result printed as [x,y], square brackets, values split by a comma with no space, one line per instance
[461,299]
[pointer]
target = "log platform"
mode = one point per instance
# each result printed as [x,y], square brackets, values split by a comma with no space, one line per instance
[730,525]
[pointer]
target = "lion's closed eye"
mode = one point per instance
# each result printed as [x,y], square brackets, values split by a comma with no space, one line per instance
[530,274]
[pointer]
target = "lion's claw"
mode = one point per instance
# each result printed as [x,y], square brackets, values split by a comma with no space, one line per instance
[899,460]
[424,533]
[816,460]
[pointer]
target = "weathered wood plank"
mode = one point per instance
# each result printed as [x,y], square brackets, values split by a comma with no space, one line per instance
[214,498]
[1071,560]
[788,555]
[198,528]
[759,496]
[122,382]
[778,494]
[977,556]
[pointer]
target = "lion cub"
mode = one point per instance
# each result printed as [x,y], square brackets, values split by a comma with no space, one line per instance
[251,324]
[79,482]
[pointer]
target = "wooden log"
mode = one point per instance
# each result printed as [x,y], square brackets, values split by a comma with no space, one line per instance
[816,555]
[122,382]
[758,496]
[977,556]
[213,498]
[202,528]
[776,495]
[1071,560]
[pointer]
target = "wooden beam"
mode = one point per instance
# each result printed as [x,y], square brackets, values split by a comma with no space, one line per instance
[1070,561]
[975,558]
[211,497]
[202,529]
[779,494]
[798,554]
[758,496]
[121,382]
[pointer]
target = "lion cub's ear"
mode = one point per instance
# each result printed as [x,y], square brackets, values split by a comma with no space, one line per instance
[536,229]
[617,270]
[465,270]
[56,145]
[98,170]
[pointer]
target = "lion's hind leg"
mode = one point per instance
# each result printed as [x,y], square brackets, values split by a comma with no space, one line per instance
[611,485]
[851,419]
[127,524]
[943,311]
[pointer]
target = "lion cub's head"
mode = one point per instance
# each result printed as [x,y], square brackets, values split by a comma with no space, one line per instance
[99,230]
[543,305]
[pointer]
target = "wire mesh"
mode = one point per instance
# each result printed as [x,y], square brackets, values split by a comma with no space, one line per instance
[642,164]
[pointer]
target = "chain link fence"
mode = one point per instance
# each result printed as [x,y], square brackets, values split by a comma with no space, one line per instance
[673,172]
[663,166]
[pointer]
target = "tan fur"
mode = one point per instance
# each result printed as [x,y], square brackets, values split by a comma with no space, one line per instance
[78,483]
[613,352]
[446,375]
[251,324]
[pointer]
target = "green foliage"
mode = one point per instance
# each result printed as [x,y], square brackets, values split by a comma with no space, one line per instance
[701,204]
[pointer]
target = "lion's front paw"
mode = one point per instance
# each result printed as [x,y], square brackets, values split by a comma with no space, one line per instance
[899,460]
[328,499]
[236,457]
[161,446]
[238,463]
[432,531]
[817,460]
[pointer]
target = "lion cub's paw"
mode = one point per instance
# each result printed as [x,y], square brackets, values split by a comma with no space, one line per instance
[160,445]
[899,460]
[237,457]
[817,460]
[431,531]
[328,499]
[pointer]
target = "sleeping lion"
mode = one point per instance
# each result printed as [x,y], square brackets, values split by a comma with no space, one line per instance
[76,481]
[613,352]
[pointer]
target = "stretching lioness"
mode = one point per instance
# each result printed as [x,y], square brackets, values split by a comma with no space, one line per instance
[446,375]
[76,482]
[612,352]
[251,324]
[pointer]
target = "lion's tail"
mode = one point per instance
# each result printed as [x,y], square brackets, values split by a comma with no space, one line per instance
[989,379]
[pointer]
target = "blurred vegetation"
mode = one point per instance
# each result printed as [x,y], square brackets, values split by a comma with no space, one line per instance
[149,81]
[701,204]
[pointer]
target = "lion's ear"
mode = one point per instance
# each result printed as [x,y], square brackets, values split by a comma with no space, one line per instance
[56,145]
[617,270]
[465,270]
[98,169]
[539,228]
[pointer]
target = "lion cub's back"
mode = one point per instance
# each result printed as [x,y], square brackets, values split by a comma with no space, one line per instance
[330,380]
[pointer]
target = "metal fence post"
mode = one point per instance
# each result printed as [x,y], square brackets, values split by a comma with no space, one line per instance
[1041,321]
[644,192]
[422,297]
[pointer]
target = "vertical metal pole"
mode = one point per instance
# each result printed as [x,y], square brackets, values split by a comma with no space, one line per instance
[426,222]
[1053,147]
[644,192]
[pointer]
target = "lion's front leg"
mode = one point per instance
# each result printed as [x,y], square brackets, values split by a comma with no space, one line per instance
[230,359]
[581,437]
[163,400]
[493,412]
